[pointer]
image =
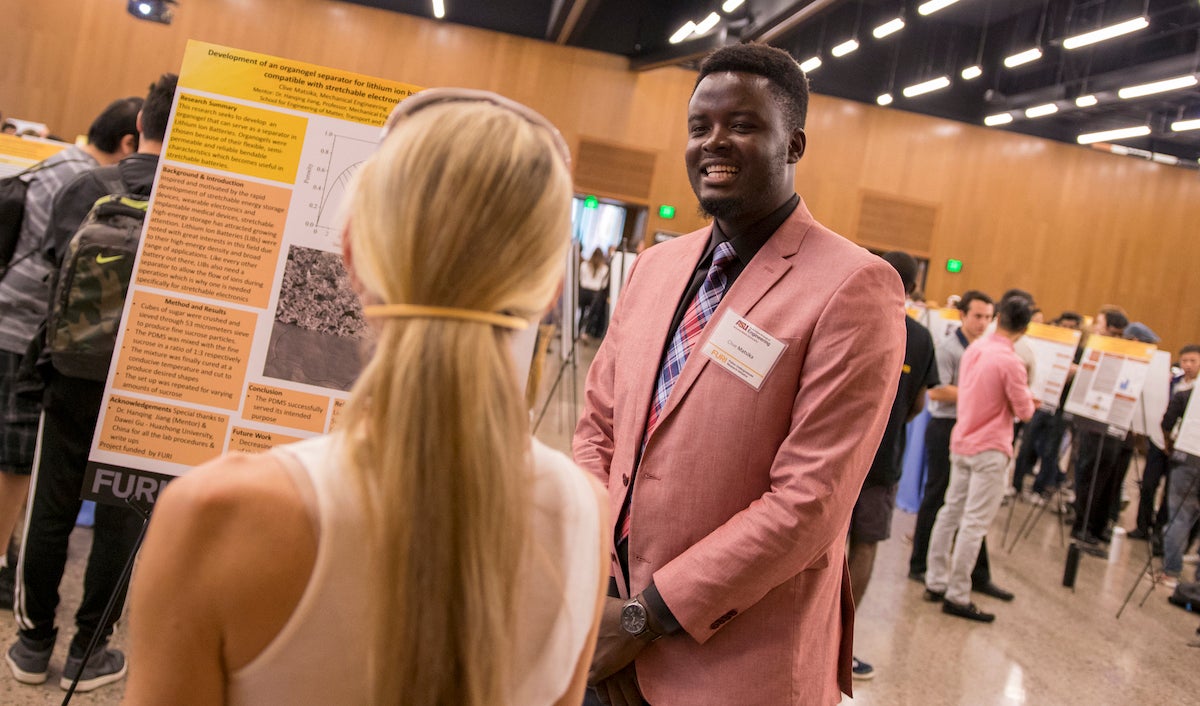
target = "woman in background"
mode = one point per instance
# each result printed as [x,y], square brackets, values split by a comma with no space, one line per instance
[428,551]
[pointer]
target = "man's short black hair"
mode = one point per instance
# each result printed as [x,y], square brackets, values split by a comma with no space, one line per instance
[1190,348]
[906,266]
[1015,314]
[787,80]
[111,126]
[1115,319]
[157,108]
[1070,316]
[972,295]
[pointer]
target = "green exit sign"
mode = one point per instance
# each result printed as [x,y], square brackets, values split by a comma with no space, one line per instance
[666,211]
[954,265]
[591,202]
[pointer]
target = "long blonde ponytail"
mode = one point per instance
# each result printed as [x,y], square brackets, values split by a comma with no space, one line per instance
[465,205]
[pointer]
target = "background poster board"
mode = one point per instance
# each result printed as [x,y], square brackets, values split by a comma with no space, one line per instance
[20,153]
[1109,381]
[1054,348]
[240,330]
[1188,438]
[1147,418]
[942,323]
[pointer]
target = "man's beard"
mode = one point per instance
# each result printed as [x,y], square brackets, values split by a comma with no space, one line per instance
[720,208]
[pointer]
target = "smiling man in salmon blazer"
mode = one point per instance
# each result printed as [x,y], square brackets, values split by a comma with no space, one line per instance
[732,412]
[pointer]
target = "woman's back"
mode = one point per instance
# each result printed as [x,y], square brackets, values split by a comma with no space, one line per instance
[320,655]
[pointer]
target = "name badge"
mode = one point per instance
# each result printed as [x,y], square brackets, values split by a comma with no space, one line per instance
[743,348]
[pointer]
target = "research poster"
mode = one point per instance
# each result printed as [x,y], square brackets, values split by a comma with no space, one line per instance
[1187,439]
[1109,381]
[942,323]
[1054,349]
[240,330]
[1147,418]
[19,153]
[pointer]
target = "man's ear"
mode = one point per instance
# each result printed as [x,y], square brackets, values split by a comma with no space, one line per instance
[796,145]
[127,146]
[138,122]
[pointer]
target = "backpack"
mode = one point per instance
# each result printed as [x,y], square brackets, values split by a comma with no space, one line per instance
[12,210]
[89,293]
[12,214]
[1186,596]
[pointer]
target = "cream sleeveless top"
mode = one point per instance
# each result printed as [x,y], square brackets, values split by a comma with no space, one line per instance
[319,657]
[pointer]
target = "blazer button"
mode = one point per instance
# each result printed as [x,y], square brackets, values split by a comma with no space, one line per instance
[624,479]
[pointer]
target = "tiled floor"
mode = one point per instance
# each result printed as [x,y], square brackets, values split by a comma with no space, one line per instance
[1051,645]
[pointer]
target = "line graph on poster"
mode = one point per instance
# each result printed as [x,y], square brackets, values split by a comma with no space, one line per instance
[328,178]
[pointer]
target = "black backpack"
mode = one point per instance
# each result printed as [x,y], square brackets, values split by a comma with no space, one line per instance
[12,211]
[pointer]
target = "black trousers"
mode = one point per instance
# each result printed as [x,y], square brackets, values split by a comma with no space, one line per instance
[1157,470]
[937,479]
[1098,482]
[71,407]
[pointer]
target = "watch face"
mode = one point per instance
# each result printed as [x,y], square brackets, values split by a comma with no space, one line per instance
[633,618]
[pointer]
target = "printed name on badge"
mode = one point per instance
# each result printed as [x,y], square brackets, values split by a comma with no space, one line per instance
[743,349]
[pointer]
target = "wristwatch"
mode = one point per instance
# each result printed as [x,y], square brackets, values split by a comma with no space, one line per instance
[636,621]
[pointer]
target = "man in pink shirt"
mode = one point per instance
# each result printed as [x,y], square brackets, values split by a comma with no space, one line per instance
[993,387]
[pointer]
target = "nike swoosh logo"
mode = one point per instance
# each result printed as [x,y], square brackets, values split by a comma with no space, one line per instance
[102,260]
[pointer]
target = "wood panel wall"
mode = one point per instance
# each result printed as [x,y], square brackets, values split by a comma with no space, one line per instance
[1078,228]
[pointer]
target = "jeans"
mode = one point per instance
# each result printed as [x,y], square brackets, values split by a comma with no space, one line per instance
[937,479]
[972,500]
[1185,509]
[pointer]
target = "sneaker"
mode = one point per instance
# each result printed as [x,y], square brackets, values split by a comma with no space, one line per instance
[966,610]
[105,666]
[861,670]
[28,661]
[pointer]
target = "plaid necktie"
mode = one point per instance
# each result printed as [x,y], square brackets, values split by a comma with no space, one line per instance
[698,313]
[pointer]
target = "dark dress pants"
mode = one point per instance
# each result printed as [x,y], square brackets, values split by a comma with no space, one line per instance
[1157,470]
[937,479]
[1099,469]
[71,408]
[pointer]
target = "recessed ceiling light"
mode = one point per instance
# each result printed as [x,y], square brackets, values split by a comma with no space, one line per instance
[1082,40]
[1086,101]
[810,64]
[1145,89]
[1023,57]
[889,27]
[885,99]
[929,86]
[845,47]
[998,119]
[1039,111]
[1124,133]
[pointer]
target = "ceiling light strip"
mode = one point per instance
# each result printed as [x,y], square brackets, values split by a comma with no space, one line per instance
[971,73]
[707,24]
[1124,133]
[1182,125]
[1105,33]
[1039,111]
[1146,89]
[845,48]
[1086,101]
[810,64]
[929,86]
[998,119]
[731,5]
[439,9]
[683,32]
[1023,57]
[889,27]
[928,8]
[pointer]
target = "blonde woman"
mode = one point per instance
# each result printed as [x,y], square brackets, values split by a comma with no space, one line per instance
[427,552]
